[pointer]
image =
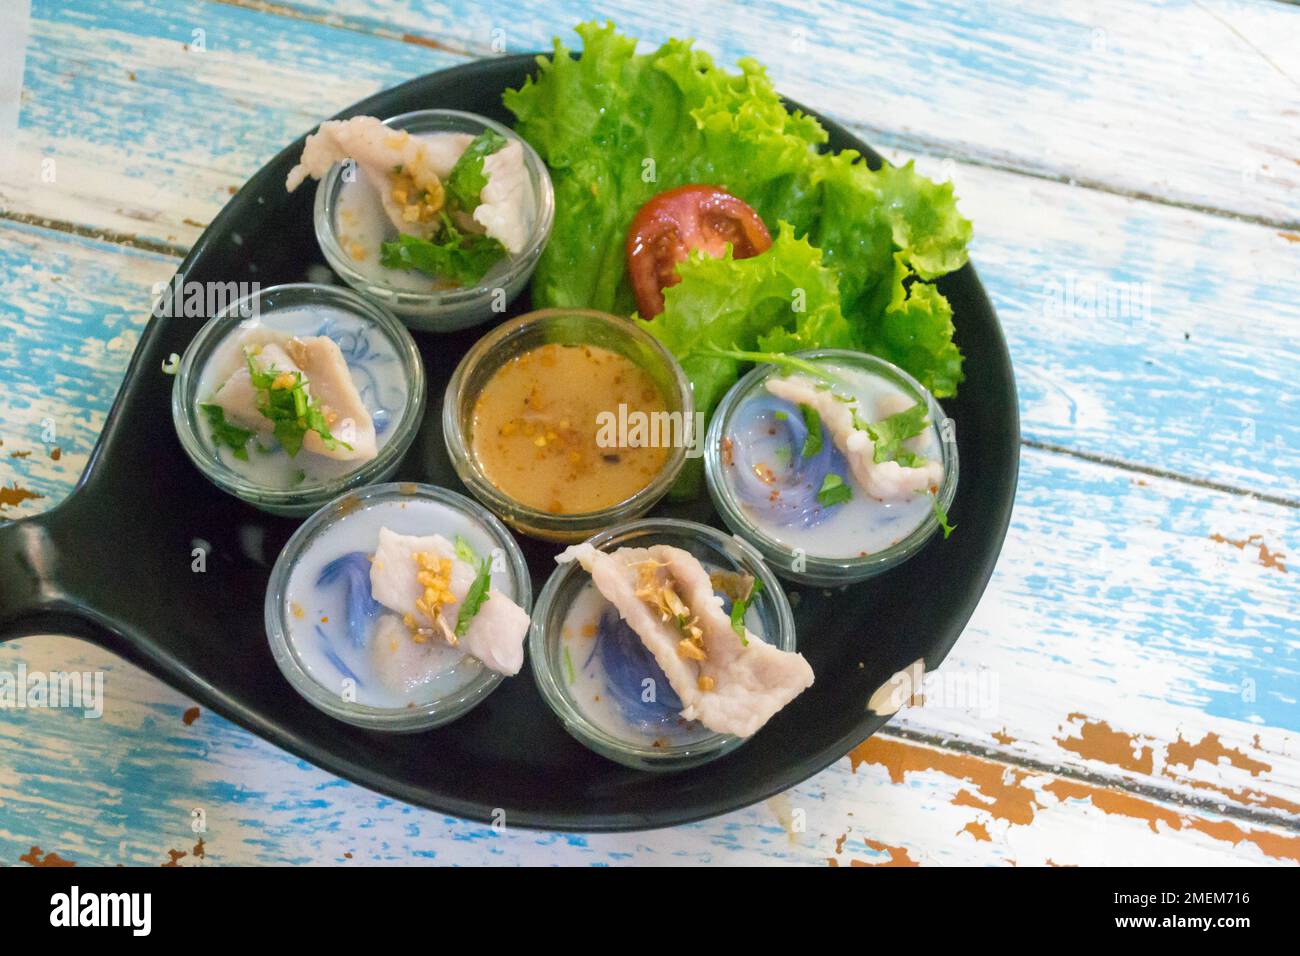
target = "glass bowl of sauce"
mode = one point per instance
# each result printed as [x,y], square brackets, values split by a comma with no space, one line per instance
[565,422]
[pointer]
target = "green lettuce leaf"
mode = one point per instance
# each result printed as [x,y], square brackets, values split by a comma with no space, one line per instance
[784,296]
[466,180]
[616,127]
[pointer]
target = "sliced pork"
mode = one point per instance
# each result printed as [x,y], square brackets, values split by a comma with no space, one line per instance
[886,480]
[495,635]
[729,684]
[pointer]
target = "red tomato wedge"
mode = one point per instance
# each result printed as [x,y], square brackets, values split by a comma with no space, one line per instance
[669,226]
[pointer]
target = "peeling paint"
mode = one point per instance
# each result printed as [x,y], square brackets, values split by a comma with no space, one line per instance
[1269,559]
[14,495]
[1015,795]
[38,857]
[976,829]
[1211,750]
[1097,741]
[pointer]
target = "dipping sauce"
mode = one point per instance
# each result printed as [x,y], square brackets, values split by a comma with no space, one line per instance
[547,429]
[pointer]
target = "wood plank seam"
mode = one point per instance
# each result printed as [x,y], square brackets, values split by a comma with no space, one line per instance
[179,252]
[1163,795]
[1125,465]
[100,235]
[875,135]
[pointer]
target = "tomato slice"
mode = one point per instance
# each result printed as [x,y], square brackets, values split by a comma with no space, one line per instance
[669,226]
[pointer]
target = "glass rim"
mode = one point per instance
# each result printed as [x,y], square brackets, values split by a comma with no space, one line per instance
[544,218]
[214,331]
[471,472]
[820,569]
[406,717]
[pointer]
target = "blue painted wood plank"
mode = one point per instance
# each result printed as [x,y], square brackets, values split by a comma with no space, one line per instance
[71,311]
[1179,585]
[1127,96]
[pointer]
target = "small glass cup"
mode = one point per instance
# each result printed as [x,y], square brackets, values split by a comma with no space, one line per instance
[805,568]
[442,710]
[546,643]
[444,310]
[571,327]
[306,497]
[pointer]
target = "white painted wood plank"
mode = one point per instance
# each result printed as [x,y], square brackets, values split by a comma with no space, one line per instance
[141,119]
[1191,101]
[1125,634]
[122,789]
[71,312]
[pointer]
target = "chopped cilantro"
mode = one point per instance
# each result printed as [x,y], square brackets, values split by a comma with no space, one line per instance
[224,433]
[740,606]
[466,181]
[813,441]
[834,491]
[781,416]
[457,257]
[942,516]
[888,434]
[474,598]
[282,398]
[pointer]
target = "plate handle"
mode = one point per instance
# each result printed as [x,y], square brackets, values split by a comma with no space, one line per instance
[31,600]
[37,571]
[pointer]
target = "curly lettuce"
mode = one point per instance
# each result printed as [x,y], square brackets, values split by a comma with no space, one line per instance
[781,301]
[616,127]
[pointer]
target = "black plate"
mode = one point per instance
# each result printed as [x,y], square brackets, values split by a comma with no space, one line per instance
[112,563]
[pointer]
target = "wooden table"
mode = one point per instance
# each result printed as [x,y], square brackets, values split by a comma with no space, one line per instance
[1131,169]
